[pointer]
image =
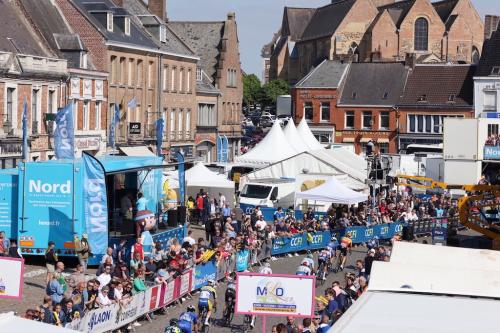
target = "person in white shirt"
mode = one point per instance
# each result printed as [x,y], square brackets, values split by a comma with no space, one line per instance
[118,291]
[303,269]
[189,238]
[109,254]
[103,298]
[222,200]
[266,269]
[105,278]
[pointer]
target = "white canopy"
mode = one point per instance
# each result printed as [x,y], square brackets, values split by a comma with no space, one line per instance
[293,138]
[307,136]
[333,191]
[12,323]
[274,147]
[201,176]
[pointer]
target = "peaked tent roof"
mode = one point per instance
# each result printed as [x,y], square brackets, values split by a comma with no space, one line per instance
[293,138]
[333,191]
[273,148]
[200,175]
[307,136]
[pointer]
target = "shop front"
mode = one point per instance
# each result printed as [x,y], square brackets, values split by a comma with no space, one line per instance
[205,147]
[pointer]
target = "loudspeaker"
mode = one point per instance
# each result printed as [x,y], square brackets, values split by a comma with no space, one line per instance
[408,233]
[172,218]
[181,215]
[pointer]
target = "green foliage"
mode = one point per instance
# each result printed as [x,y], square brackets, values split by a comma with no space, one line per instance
[251,89]
[272,90]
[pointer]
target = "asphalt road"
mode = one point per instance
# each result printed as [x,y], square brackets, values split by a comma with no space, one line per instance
[284,265]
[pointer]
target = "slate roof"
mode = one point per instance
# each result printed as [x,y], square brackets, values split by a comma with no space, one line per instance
[95,11]
[491,55]
[328,74]
[440,86]
[327,19]
[295,20]
[204,38]
[444,8]
[376,83]
[16,34]
[398,10]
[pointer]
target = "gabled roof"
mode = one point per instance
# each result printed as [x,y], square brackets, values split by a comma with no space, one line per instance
[440,86]
[16,34]
[397,10]
[491,56]
[204,38]
[327,19]
[95,11]
[375,83]
[295,20]
[328,74]
[445,8]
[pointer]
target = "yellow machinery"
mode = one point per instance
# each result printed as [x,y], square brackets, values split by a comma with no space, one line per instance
[479,210]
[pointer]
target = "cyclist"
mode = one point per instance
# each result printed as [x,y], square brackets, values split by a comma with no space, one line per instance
[309,259]
[303,269]
[173,327]
[333,246]
[205,301]
[266,268]
[323,260]
[230,296]
[345,246]
[188,321]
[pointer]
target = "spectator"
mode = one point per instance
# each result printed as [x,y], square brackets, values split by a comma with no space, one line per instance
[77,297]
[57,314]
[50,261]
[119,251]
[4,244]
[135,263]
[121,272]
[105,277]
[341,297]
[150,269]
[137,248]
[66,314]
[189,238]
[324,325]
[77,277]
[108,257]
[370,257]
[103,299]
[139,285]
[46,308]
[59,274]
[83,250]
[360,267]
[141,203]
[13,251]
[55,290]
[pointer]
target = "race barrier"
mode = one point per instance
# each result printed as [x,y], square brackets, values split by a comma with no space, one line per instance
[317,240]
[268,212]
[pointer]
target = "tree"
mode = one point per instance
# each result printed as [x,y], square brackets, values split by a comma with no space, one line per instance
[251,89]
[270,92]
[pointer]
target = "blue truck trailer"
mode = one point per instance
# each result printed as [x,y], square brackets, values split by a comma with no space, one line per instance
[47,201]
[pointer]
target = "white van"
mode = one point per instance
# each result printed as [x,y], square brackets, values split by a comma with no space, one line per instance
[268,193]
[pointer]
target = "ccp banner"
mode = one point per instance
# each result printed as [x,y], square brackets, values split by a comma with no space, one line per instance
[295,243]
[318,240]
[11,278]
[275,295]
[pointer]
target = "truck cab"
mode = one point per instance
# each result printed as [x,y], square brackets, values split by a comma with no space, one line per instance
[267,193]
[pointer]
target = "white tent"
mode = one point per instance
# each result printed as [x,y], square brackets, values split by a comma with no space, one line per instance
[307,136]
[274,147]
[199,175]
[293,137]
[345,161]
[12,323]
[332,191]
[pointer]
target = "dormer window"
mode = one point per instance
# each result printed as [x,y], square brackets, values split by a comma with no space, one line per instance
[199,74]
[109,24]
[163,34]
[422,98]
[451,98]
[354,94]
[83,60]
[385,95]
[127,26]
[495,70]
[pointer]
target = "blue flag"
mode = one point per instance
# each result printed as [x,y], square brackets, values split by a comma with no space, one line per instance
[182,177]
[225,149]
[160,124]
[64,135]
[242,260]
[95,204]
[25,130]
[219,148]
[112,129]
[132,103]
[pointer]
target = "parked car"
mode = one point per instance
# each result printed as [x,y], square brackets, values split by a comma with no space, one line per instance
[266,121]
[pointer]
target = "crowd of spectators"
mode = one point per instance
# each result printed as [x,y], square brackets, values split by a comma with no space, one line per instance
[493,141]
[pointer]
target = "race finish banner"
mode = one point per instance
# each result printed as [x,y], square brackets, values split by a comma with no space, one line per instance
[11,278]
[275,295]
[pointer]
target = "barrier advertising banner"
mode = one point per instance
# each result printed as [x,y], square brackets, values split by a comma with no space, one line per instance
[289,244]
[242,260]
[203,273]
[11,278]
[275,295]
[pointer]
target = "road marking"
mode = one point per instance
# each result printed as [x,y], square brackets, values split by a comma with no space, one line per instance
[35,273]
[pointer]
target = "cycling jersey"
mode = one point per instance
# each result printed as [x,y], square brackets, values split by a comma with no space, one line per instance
[186,321]
[324,255]
[208,292]
[303,270]
[346,242]
[333,245]
[309,261]
[172,329]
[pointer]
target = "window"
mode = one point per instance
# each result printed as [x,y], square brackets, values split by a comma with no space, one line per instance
[165,78]
[451,98]
[163,34]
[492,129]
[181,80]
[109,22]
[207,115]
[385,95]
[367,119]
[35,111]
[383,148]
[75,113]
[490,100]
[349,119]
[436,124]
[308,111]
[188,124]
[51,101]
[428,124]
[113,69]
[420,123]
[231,78]
[384,120]
[199,74]
[325,111]
[121,73]
[188,81]
[411,123]
[97,115]
[130,71]
[421,34]
[179,123]
[172,80]
[354,94]
[83,60]
[127,26]
[495,70]
[150,74]
[139,73]
[172,124]
[86,115]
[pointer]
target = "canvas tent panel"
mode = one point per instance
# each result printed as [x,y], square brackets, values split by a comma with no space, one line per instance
[307,136]
[332,191]
[293,138]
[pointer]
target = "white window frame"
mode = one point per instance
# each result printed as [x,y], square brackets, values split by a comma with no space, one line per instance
[381,113]
[109,21]
[370,126]
[86,115]
[83,60]
[37,113]
[312,108]
[13,119]
[163,34]
[327,104]
[172,78]
[490,94]
[150,74]
[140,73]
[181,80]
[52,109]
[353,119]
[164,84]
[187,127]
[130,71]
[97,115]
[171,123]
[199,74]
[180,125]
[188,80]
[75,113]
[127,26]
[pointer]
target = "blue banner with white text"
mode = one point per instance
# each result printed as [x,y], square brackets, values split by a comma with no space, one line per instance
[95,204]
[203,273]
[242,260]
[295,243]
[64,134]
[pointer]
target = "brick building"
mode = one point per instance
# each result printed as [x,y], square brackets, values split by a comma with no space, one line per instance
[30,72]
[217,45]
[386,30]
[366,105]
[315,97]
[432,93]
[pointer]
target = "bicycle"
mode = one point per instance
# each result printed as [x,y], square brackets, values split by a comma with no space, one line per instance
[247,321]
[228,314]
[204,328]
[321,274]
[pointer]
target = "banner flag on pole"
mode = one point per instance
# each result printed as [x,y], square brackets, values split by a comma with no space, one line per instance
[132,103]
[112,130]
[25,130]
[182,177]
[95,204]
[64,134]
[225,150]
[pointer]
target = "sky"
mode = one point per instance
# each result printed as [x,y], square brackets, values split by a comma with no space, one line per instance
[258,20]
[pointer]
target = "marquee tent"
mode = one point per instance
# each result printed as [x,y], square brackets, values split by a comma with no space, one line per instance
[307,136]
[332,191]
[293,137]
[274,147]
[199,175]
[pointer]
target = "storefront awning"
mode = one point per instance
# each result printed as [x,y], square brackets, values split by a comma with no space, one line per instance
[366,140]
[137,151]
[348,140]
[383,140]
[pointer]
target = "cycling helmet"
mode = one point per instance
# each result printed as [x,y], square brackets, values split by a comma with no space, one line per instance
[211,282]
[305,263]
[174,321]
[232,275]
[333,239]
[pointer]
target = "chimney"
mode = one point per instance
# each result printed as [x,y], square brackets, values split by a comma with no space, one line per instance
[231,16]
[158,8]
[490,25]
[410,60]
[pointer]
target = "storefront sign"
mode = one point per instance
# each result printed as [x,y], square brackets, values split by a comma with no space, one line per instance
[134,128]
[383,134]
[308,95]
[90,143]
[10,149]
[202,137]
[493,115]
[491,153]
